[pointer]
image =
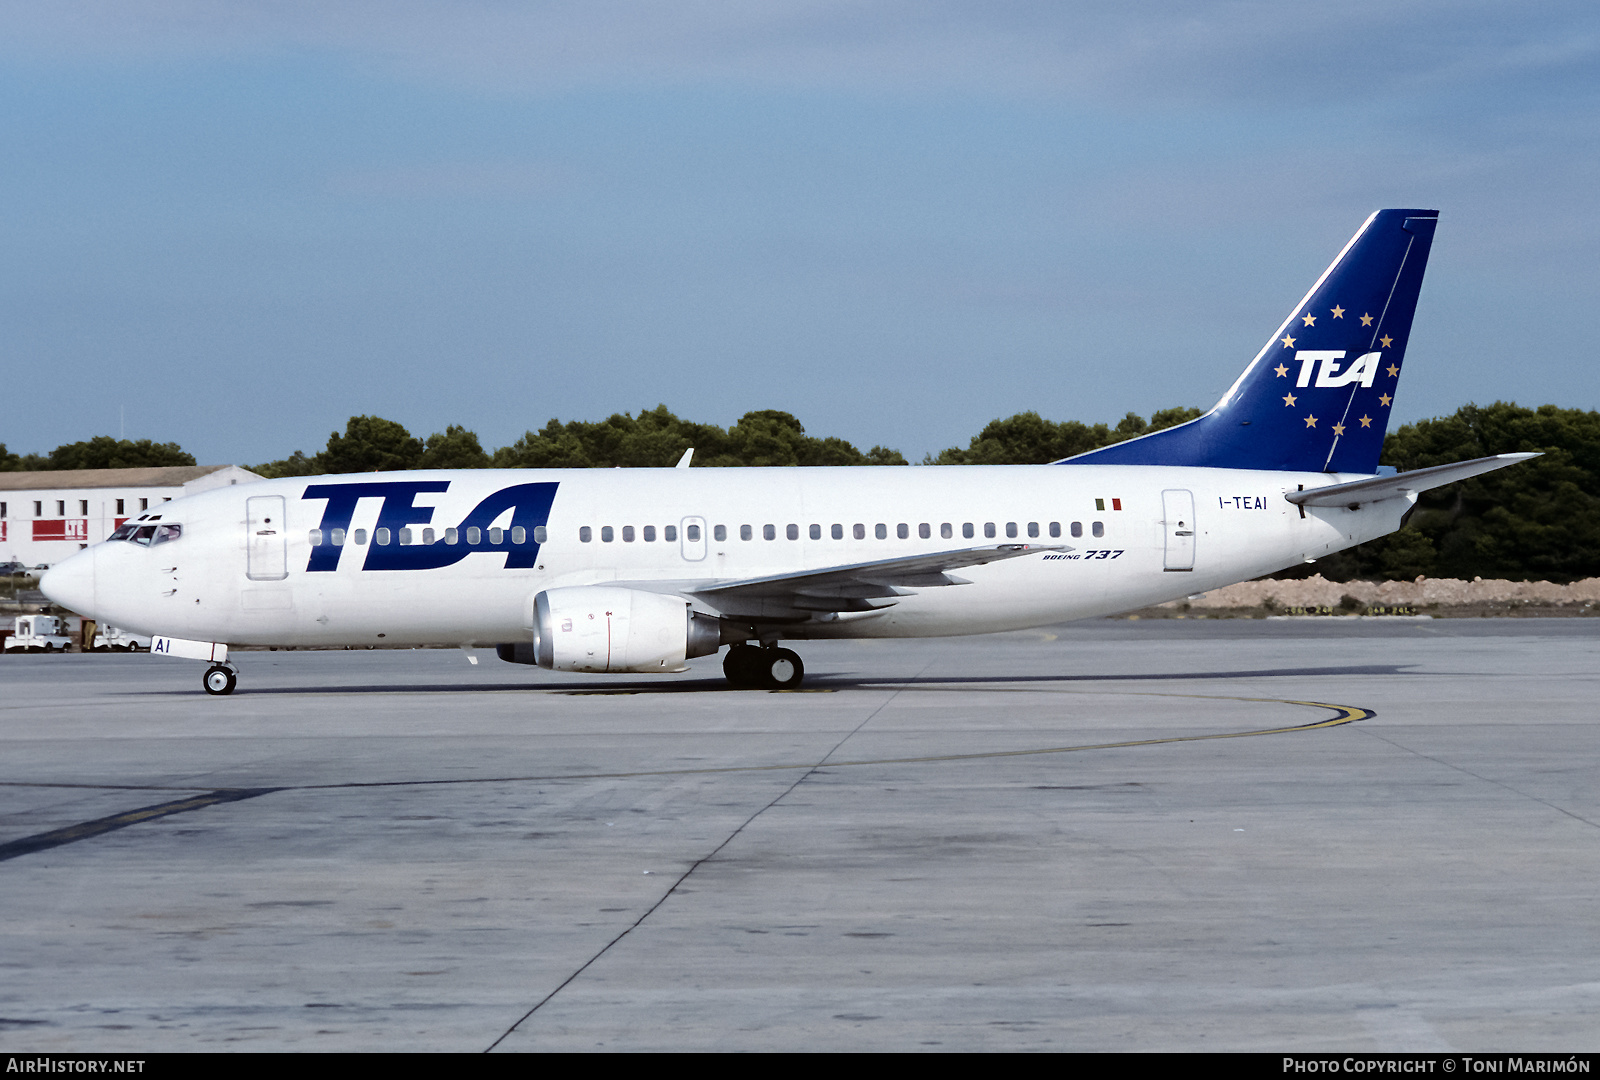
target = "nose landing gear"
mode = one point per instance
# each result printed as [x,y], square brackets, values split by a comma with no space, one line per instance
[750,667]
[220,680]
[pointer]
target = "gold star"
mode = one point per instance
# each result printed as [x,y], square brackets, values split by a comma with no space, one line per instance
[1338,429]
[1288,399]
[1366,421]
[1288,343]
[1309,320]
[1338,312]
[1366,320]
[1384,399]
[1386,341]
[1281,370]
[1393,371]
[1311,421]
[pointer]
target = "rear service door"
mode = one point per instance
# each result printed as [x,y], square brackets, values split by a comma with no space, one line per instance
[268,558]
[1177,512]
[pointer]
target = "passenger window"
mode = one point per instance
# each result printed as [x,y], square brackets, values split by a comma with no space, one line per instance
[585,535]
[881,531]
[966,529]
[519,535]
[718,532]
[1055,528]
[1099,528]
[428,536]
[540,534]
[669,533]
[405,536]
[1033,528]
[769,532]
[924,530]
[627,534]
[452,537]
[745,532]
[649,534]
[315,537]
[816,532]
[945,531]
[1077,528]
[988,529]
[607,534]
[903,531]
[859,531]
[498,536]
[792,532]
[338,537]
[381,537]
[361,538]
[1011,529]
[838,532]
[475,535]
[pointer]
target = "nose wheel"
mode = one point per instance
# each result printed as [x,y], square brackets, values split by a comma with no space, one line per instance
[220,680]
[749,667]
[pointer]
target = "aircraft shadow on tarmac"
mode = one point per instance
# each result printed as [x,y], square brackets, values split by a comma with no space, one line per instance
[826,683]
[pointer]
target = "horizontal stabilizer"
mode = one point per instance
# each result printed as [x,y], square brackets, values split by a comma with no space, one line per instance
[1401,484]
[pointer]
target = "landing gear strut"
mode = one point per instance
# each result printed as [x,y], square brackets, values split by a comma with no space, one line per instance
[220,680]
[767,669]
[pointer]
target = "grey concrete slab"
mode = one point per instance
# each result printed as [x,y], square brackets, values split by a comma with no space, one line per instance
[882,860]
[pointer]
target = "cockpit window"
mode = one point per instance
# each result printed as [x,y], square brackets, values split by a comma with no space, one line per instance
[147,535]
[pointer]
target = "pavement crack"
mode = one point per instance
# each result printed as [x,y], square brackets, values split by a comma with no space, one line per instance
[707,857]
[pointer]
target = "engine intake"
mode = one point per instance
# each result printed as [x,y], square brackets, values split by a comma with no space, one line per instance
[601,628]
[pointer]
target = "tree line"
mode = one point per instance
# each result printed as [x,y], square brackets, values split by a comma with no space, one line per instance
[1537,520]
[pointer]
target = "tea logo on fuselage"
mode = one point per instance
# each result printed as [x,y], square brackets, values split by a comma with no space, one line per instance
[529,505]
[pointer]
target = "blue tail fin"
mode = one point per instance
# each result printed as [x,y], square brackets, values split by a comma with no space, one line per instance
[1317,397]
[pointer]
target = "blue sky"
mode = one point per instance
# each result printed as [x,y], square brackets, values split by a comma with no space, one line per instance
[238,224]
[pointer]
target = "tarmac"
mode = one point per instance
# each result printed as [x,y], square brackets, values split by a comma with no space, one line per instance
[1322,834]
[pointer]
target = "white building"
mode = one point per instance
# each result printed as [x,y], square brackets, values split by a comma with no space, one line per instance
[46,516]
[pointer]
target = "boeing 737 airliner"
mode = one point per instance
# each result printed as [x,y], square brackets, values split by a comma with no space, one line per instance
[639,570]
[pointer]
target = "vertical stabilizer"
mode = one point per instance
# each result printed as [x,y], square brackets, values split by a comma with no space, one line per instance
[1317,397]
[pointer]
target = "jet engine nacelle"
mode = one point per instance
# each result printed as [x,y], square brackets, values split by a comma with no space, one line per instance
[601,628]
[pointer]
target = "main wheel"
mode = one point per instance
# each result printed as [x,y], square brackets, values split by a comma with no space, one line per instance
[741,665]
[780,669]
[220,680]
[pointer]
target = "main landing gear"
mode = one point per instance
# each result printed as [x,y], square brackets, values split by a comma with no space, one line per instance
[220,680]
[751,667]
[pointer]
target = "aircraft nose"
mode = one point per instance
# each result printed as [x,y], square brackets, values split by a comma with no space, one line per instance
[70,582]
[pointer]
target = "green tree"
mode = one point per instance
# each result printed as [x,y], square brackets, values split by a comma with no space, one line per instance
[657,438]
[296,464]
[371,444]
[1539,519]
[104,452]
[1029,439]
[457,448]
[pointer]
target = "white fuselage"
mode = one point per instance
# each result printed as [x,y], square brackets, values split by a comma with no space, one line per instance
[236,578]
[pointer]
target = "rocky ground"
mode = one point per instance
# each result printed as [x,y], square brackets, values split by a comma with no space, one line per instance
[1439,597]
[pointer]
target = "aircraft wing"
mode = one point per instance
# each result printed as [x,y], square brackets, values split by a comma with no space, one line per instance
[861,586]
[1400,484]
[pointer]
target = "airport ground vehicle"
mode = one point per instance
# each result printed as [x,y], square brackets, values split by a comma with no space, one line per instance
[116,639]
[38,633]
